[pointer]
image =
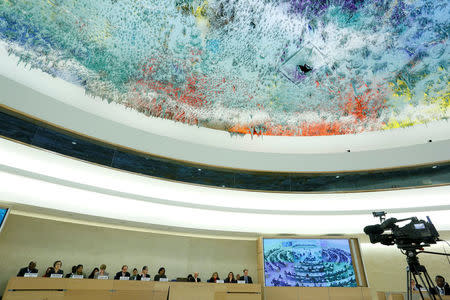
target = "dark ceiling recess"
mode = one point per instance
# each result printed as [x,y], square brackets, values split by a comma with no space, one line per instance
[39,134]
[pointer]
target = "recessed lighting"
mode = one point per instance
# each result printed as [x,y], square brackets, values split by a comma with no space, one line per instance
[74,143]
[199,169]
[434,167]
[338,176]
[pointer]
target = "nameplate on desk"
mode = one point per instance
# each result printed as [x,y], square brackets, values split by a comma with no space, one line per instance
[30,275]
[241,281]
[219,281]
[164,279]
[77,276]
[147,278]
[56,276]
[124,278]
[104,277]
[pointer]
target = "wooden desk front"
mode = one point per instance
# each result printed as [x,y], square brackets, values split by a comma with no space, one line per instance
[317,293]
[20,288]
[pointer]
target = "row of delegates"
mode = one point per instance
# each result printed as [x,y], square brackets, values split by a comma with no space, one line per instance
[144,274]
[31,269]
[231,279]
[97,272]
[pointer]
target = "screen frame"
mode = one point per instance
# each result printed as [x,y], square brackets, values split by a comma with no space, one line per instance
[355,251]
[2,224]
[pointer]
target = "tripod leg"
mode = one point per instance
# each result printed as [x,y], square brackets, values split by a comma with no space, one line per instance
[431,284]
[421,282]
[408,284]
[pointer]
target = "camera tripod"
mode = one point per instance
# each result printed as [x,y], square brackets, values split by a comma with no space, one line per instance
[415,271]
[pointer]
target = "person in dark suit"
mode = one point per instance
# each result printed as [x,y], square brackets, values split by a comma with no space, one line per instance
[144,273]
[161,274]
[135,275]
[214,277]
[30,269]
[230,278]
[194,278]
[79,271]
[442,287]
[74,270]
[57,266]
[123,273]
[246,278]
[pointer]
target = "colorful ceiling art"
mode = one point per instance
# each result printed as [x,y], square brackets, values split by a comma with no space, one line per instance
[273,67]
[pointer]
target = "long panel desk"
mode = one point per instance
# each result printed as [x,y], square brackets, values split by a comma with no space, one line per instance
[20,288]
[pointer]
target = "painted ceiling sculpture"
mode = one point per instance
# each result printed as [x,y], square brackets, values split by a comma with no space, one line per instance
[273,67]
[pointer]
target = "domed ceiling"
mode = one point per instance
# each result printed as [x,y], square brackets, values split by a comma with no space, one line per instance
[280,67]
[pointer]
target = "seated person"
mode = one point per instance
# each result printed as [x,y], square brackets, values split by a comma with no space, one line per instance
[74,270]
[230,278]
[246,278]
[194,278]
[135,274]
[79,271]
[49,272]
[101,272]
[238,277]
[123,273]
[442,287]
[161,274]
[95,271]
[57,266]
[415,286]
[30,269]
[214,277]
[144,273]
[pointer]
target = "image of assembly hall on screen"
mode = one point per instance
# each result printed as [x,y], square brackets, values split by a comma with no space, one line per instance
[308,263]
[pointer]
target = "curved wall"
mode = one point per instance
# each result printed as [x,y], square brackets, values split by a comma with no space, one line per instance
[37,178]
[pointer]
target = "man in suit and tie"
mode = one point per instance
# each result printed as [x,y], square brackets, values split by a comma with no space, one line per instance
[30,269]
[442,287]
[246,278]
[123,273]
[195,278]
